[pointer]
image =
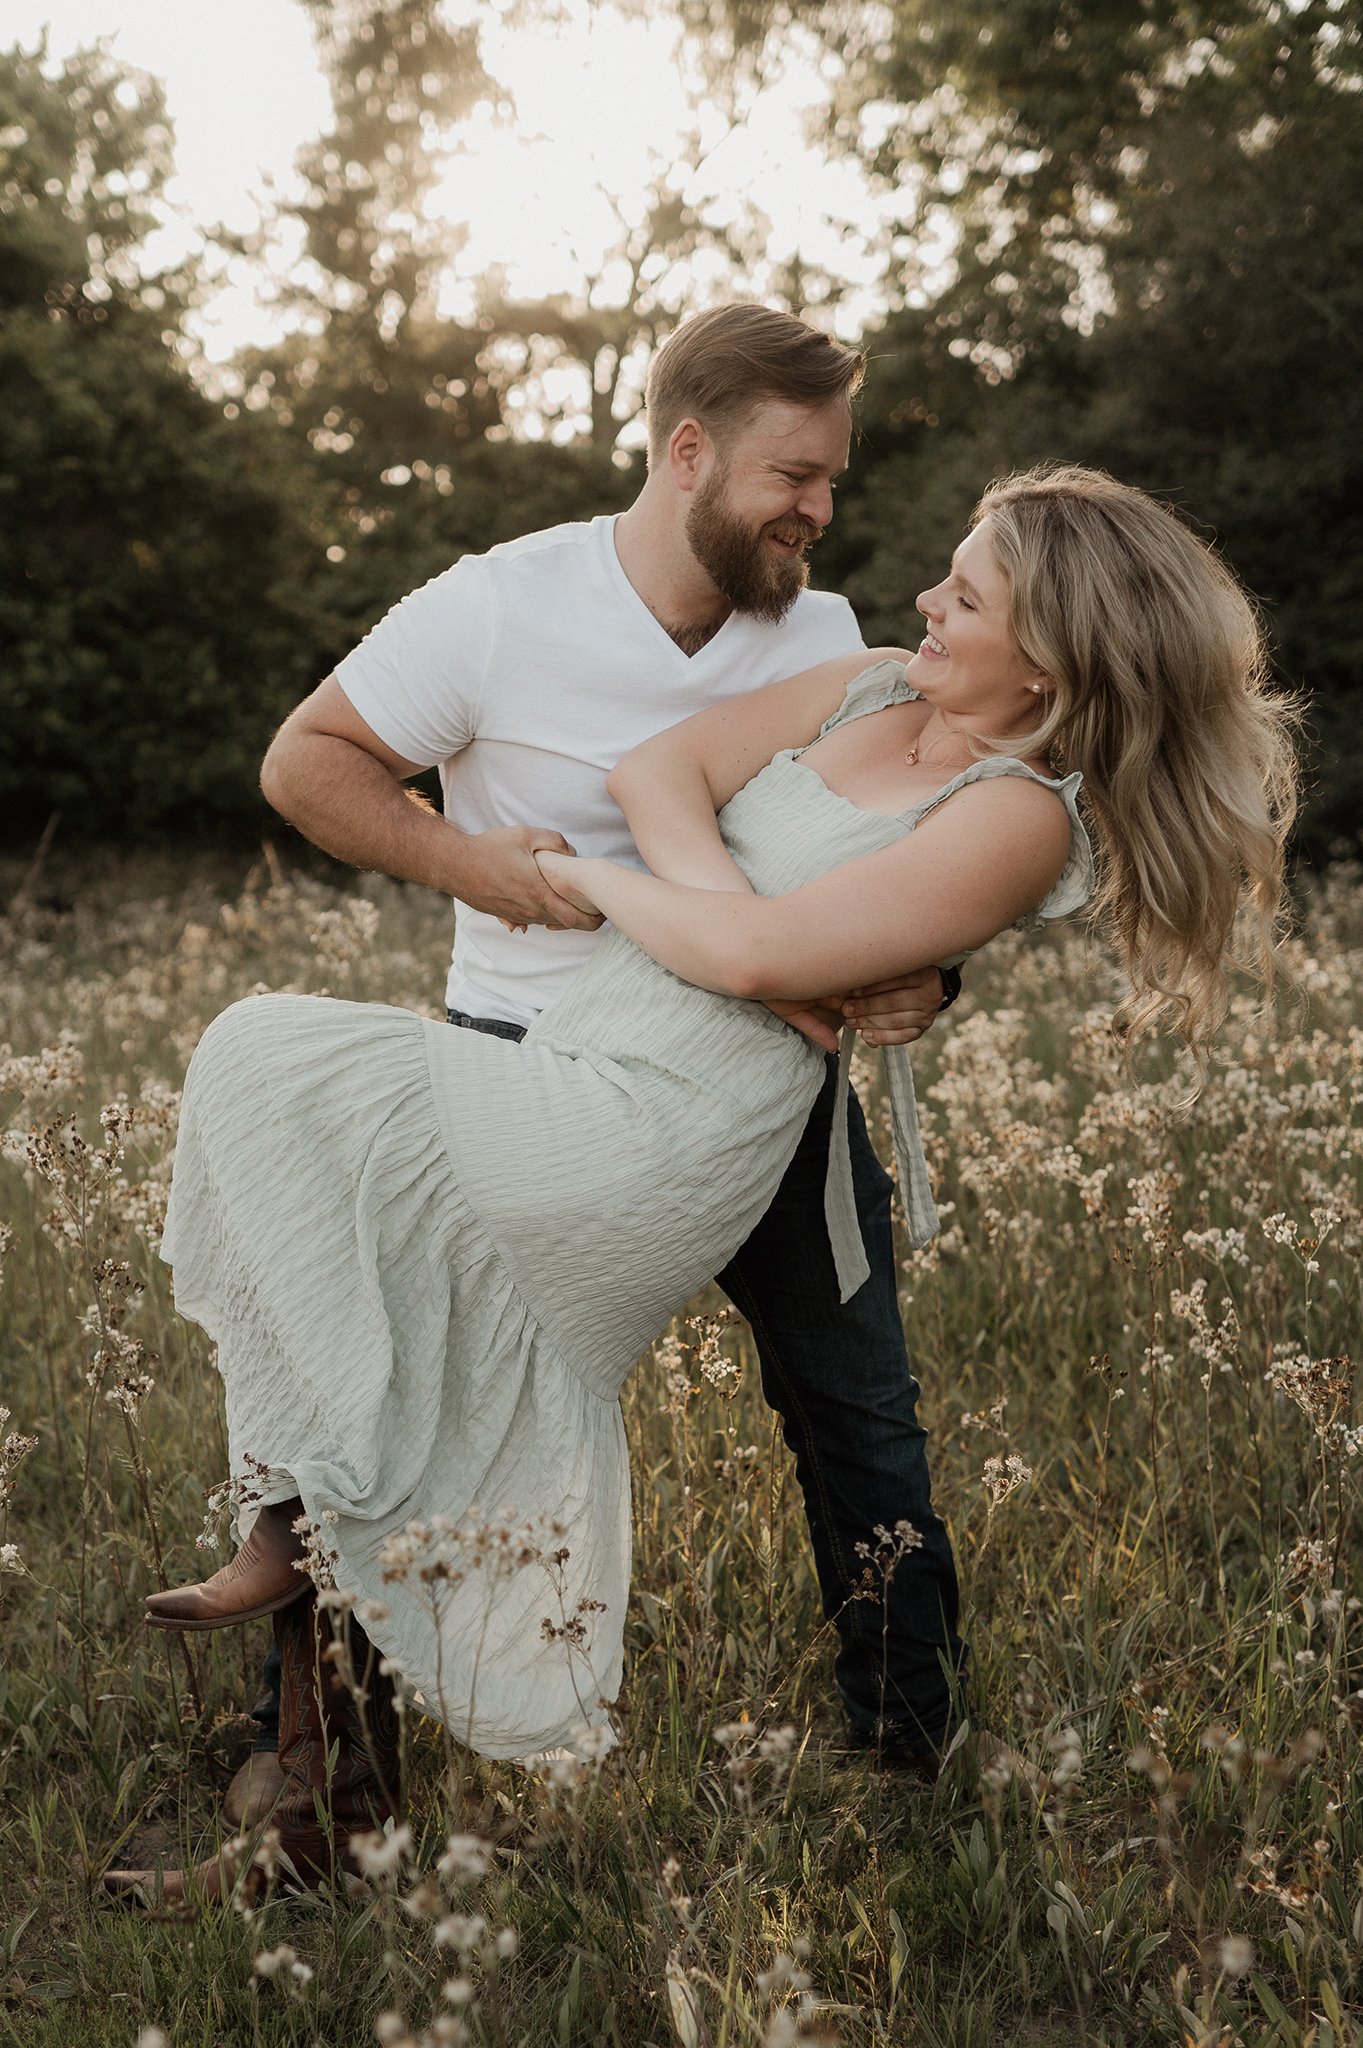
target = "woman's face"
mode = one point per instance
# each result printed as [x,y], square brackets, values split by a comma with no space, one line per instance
[968,665]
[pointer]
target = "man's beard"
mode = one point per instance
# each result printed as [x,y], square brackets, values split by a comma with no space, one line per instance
[758,583]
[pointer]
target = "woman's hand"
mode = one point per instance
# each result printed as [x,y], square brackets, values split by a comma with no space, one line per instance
[570,878]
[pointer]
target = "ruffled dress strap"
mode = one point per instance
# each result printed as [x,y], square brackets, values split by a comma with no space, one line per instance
[1069,893]
[882,683]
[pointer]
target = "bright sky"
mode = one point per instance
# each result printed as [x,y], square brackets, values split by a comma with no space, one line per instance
[599,104]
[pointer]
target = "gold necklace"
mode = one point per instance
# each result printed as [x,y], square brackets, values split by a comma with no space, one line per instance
[912,756]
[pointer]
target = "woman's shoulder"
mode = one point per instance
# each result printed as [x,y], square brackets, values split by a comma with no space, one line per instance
[1043,809]
[870,681]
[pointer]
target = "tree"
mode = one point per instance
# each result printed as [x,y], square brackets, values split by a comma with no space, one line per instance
[399,411]
[157,561]
[81,158]
[1154,273]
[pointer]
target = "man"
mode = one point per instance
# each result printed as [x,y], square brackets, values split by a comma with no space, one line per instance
[525,674]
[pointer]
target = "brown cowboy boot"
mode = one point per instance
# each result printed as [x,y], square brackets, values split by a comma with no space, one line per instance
[261,1578]
[338,1742]
[339,1755]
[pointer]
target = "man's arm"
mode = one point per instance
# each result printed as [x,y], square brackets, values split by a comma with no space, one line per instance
[328,772]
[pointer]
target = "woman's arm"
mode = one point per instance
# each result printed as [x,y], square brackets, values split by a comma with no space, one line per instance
[671,787]
[974,866]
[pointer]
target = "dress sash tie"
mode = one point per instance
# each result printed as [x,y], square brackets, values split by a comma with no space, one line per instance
[915,1188]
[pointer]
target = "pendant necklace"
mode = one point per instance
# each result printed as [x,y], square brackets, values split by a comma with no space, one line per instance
[912,757]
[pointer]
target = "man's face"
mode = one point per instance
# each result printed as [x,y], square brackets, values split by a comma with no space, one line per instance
[767,498]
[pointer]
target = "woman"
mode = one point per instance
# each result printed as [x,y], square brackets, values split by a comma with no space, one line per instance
[429,1257]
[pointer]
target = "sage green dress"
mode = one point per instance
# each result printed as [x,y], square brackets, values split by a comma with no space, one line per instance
[429,1258]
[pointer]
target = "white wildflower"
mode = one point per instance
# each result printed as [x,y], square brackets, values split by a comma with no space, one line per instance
[272,1960]
[465,1856]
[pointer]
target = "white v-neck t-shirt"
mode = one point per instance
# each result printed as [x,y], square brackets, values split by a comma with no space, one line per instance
[525,674]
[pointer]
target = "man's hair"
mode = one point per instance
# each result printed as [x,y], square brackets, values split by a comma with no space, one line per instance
[720,366]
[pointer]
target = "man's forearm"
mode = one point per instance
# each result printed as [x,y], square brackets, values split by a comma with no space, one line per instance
[349,804]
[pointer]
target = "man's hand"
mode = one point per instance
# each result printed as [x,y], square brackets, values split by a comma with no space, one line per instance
[895,1012]
[498,873]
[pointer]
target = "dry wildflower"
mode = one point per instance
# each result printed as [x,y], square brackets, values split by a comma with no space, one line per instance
[13,1450]
[319,1560]
[245,1490]
[460,1931]
[272,1960]
[344,935]
[559,1769]
[1151,1210]
[446,2030]
[464,1858]
[1216,1343]
[1068,1750]
[11,1562]
[36,1078]
[711,1362]
[679,1900]
[1261,1875]
[738,1461]
[382,1856]
[1224,1247]
[442,1552]
[1154,1765]
[787,1972]
[990,1419]
[883,1559]
[1323,1390]
[687,1362]
[152,2037]
[1307,1559]
[1235,1956]
[129,1391]
[575,1628]
[423,1901]
[750,1749]
[1002,1477]
[801,2020]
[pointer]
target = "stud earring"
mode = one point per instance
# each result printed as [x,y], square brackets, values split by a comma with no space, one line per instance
[1035,689]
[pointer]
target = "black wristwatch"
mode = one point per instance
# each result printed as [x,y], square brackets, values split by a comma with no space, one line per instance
[951,986]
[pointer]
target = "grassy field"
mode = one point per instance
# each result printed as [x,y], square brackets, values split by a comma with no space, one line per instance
[1135,1339]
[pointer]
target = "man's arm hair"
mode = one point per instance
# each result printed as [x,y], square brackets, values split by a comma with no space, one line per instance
[328,772]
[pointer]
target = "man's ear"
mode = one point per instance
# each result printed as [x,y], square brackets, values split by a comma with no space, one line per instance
[689,449]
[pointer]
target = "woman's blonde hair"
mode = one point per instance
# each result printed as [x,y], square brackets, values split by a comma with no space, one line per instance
[1160,698]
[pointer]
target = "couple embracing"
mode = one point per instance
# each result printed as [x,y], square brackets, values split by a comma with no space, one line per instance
[429,1252]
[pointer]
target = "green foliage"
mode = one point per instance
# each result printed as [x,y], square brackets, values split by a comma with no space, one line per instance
[166,593]
[153,615]
[83,151]
[1223,374]
[1152,267]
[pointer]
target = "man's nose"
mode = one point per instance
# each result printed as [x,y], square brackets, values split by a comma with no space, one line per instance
[816,503]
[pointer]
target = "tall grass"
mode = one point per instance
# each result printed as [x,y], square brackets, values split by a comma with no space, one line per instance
[1135,1340]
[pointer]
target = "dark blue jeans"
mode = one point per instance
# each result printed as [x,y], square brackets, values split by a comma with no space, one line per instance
[838,1376]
